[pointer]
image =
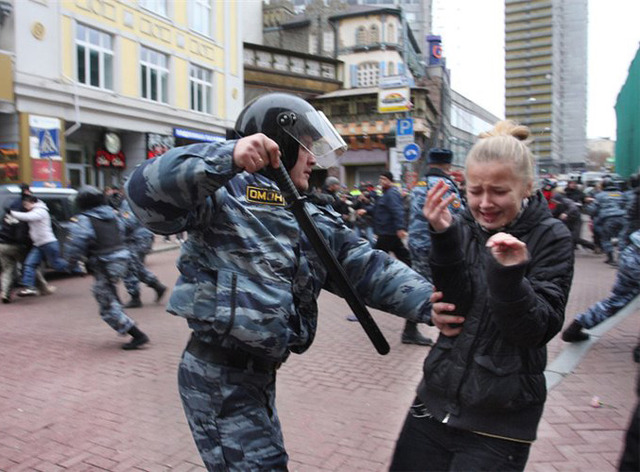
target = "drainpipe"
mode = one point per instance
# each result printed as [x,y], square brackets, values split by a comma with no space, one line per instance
[76,105]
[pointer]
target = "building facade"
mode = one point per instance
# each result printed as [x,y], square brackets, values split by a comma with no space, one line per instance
[546,77]
[96,87]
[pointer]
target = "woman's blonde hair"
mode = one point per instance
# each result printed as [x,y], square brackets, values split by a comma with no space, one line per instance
[507,142]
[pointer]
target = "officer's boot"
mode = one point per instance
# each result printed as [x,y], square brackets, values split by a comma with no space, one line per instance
[139,338]
[610,260]
[411,335]
[135,302]
[159,288]
[574,333]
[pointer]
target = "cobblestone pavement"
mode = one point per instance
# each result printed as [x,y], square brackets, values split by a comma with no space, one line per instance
[72,400]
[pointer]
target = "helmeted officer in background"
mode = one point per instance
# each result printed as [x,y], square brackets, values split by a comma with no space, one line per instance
[609,217]
[139,241]
[439,168]
[97,238]
[249,277]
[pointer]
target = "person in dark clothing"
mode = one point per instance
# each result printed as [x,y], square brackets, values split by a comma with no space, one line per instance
[630,457]
[573,192]
[503,269]
[568,212]
[364,222]
[332,188]
[14,246]
[390,227]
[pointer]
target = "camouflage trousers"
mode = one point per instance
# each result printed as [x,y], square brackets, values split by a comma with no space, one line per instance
[137,272]
[104,291]
[609,228]
[625,288]
[232,416]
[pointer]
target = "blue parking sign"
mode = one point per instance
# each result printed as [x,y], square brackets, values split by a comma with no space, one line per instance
[404,127]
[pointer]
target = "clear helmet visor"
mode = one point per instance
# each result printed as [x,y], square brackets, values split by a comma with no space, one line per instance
[315,133]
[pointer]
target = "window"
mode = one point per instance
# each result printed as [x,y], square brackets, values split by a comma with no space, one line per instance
[361,36]
[154,76]
[201,16]
[374,34]
[392,68]
[327,42]
[391,33]
[156,6]
[201,89]
[94,57]
[368,74]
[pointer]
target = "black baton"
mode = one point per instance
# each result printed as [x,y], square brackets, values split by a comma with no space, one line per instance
[334,268]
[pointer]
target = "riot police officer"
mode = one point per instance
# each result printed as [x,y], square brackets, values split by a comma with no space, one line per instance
[249,278]
[97,238]
[609,217]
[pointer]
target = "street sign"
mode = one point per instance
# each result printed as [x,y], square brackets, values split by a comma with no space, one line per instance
[404,132]
[404,127]
[411,152]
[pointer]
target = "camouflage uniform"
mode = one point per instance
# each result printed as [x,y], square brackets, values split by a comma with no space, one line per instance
[139,241]
[107,268]
[625,288]
[249,282]
[419,237]
[609,218]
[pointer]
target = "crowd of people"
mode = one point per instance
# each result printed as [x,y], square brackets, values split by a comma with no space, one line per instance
[105,240]
[489,265]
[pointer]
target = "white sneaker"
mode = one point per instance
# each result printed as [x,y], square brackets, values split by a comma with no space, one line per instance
[48,290]
[28,292]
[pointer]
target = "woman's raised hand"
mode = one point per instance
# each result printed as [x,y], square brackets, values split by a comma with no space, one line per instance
[436,206]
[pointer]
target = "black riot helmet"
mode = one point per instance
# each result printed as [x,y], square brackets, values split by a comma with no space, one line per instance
[291,122]
[608,183]
[89,197]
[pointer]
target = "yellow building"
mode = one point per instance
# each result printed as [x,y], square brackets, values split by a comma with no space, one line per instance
[91,88]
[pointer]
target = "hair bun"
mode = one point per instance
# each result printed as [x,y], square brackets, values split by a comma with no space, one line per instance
[509,128]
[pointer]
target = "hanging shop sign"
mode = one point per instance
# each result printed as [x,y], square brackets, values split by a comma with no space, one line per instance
[105,159]
[393,100]
[158,144]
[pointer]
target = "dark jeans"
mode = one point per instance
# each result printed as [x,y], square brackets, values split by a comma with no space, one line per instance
[630,460]
[50,252]
[426,444]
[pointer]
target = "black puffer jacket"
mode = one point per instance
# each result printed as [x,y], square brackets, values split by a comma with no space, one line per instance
[490,378]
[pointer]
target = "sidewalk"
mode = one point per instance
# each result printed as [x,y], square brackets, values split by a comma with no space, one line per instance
[72,400]
[591,393]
